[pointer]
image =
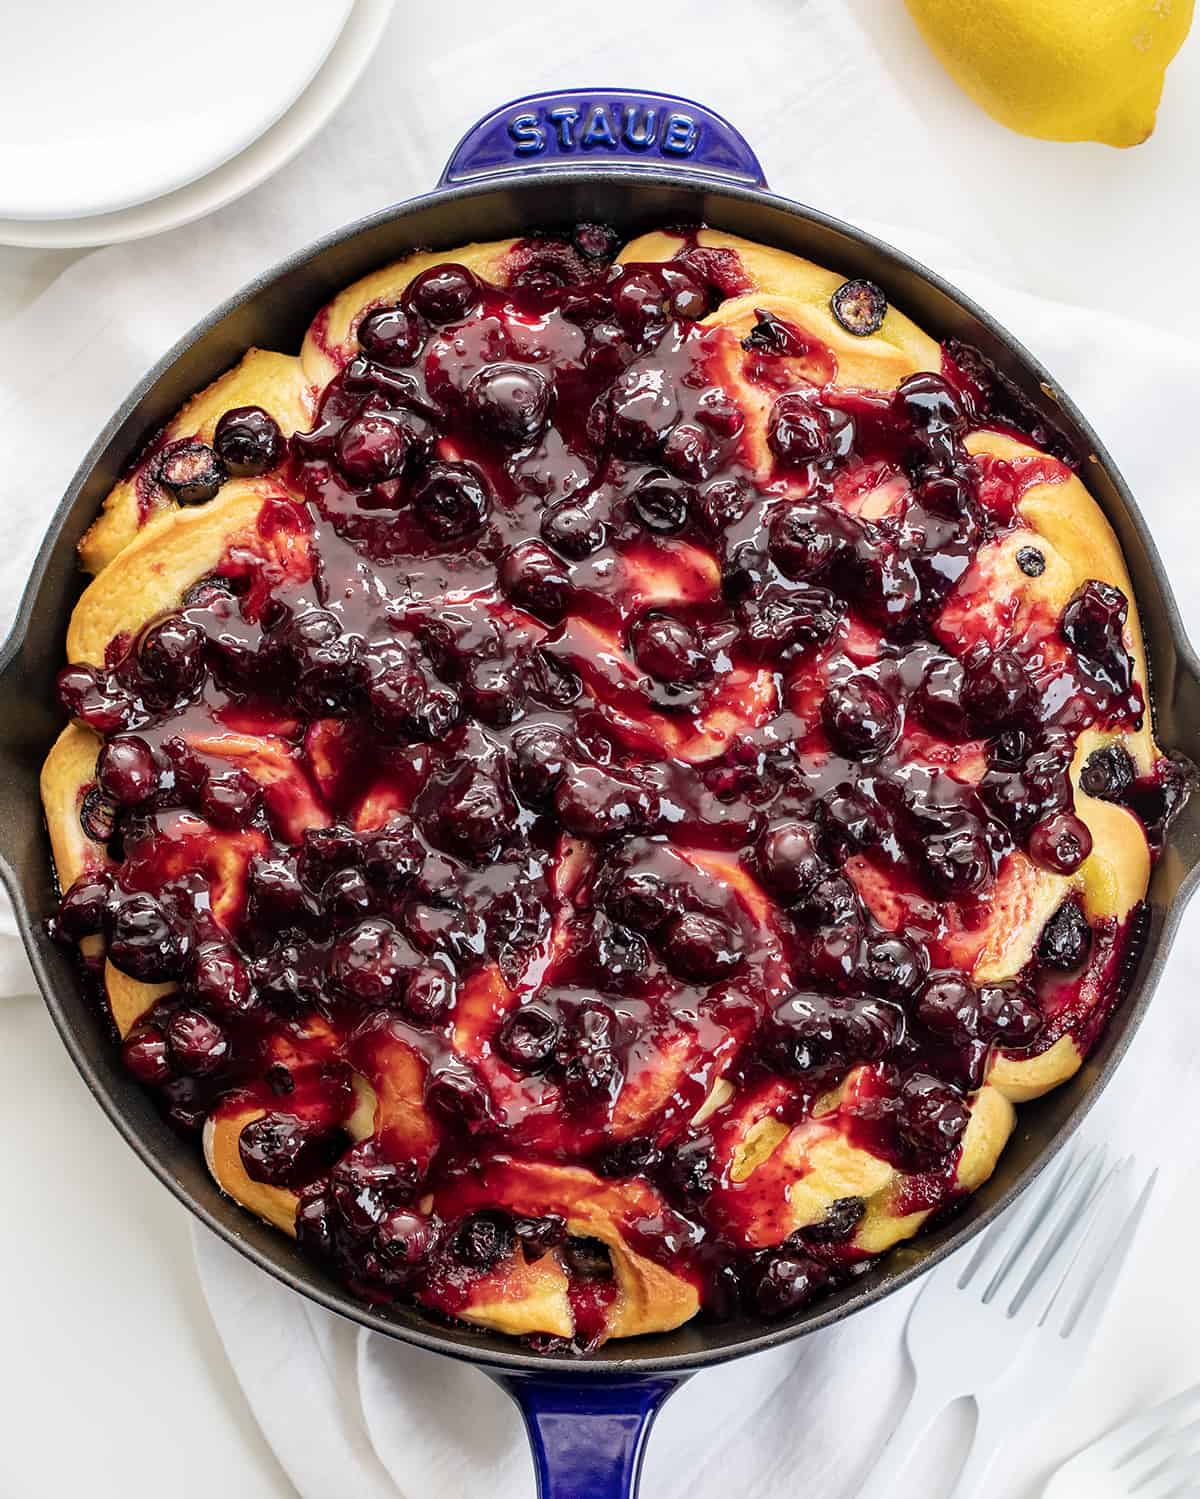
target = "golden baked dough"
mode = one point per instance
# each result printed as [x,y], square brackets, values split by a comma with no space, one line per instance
[275,382]
[780,1165]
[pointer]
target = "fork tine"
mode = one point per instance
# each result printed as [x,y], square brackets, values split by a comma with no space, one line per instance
[1006,1238]
[1171,1475]
[1063,1232]
[1083,1316]
[1143,1432]
[1080,1255]
[1131,1438]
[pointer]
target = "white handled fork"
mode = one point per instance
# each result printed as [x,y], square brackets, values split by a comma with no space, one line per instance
[1009,1322]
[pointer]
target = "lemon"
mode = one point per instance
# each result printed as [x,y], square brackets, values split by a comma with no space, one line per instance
[1062,70]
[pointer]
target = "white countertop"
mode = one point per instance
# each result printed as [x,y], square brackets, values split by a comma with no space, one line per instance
[145,1403]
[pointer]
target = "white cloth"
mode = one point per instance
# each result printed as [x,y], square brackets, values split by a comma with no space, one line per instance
[349,1412]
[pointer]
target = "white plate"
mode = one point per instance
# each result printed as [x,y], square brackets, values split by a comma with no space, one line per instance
[102,107]
[334,79]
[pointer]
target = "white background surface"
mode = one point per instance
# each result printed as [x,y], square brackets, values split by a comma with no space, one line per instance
[112,1381]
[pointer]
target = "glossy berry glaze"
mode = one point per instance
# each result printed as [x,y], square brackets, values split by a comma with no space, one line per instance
[541,760]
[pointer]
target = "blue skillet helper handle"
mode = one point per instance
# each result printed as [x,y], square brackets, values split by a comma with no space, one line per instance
[599,127]
[588,1434]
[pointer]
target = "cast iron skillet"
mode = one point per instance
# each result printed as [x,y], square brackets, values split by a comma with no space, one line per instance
[636,161]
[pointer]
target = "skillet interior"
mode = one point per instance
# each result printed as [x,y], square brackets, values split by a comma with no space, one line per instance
[274,312]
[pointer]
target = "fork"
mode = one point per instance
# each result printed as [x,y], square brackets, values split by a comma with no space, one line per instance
[1153,1456]
[1038,1283]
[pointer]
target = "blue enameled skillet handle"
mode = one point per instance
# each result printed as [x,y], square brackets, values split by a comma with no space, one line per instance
[588,1434]
[595,127]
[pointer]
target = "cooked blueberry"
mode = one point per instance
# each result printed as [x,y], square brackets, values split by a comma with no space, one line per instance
[146,1055]
[347,896]
[534,579]
[428,994]
[1108,772]
[939,698]
[831,901]
[789,860]
[371,449]
[1011,1016]
[370,962]
[798,430]
[669,650]
[126,770]
[661,503]
[528,1037]
[405,708]
[596,242]
[777,625]
[1031,561]
[1061,843]
[230,800]
[471,810]
[365,1186]
[405,1237]
[642,407]
[1093,624]
[807,538]
[537,1236]
[589,1078]
[94,698]
[928,405]
[98,815]
[894,967]
[509,402]
[285,1151]
[860,718]
[636,1157]
[689,451]
[586,1259]
[198,1045]
[950,1006]
[842,1217]
[788,1282]
[248,441]
[391,857]
[141,941]
[860,307]
[850,821]
[595,803]
[996,688]
[324,850]
[171,656]
[484,1239]
[771,335]
[573,530]
[452,501]
[933,1119]
[276,895]
[958,861]
[390,336]
[541,754]
[456,1095]
[701,948]
[314,1221]
[191,471]
[1066,938]
[220,980]
[444,294]
[81,911]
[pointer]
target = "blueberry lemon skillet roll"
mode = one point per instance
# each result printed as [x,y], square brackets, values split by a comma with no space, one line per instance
[593,788]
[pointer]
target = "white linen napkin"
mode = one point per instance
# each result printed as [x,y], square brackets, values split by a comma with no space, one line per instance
[347,1411]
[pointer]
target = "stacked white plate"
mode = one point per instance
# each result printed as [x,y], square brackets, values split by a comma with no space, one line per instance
[122,121]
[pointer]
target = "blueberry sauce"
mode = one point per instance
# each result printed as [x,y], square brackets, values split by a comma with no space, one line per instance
[552,747]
